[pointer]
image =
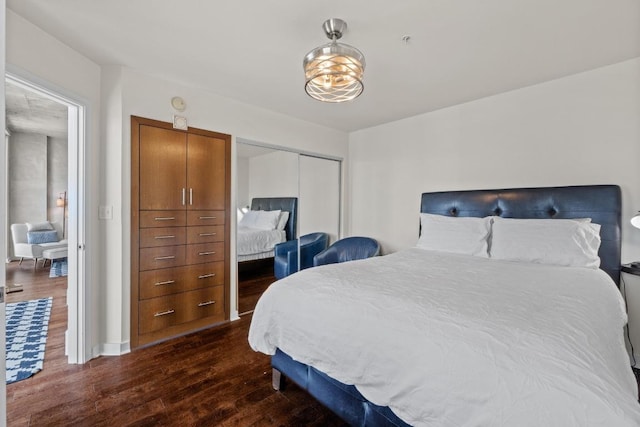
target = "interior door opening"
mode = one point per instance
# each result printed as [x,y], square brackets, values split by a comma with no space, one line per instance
[71,204]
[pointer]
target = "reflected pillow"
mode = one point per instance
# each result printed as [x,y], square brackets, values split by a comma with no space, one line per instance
[37,226]
[262,220]
[248,219]
[45,236]
[282,221]
[460,235]
[566,242]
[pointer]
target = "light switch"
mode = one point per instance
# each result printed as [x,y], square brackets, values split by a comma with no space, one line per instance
[105,212]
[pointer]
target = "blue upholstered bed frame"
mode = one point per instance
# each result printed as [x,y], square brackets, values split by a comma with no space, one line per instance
[288,204]
[602,203]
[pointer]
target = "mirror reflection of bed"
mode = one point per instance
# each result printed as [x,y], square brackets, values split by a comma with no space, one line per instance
[267,222]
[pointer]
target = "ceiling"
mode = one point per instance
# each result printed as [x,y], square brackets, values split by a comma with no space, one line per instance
[252,50]
[30,112]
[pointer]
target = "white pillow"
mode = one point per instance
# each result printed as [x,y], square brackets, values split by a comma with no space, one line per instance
[460,235]
[248,219]
[262,220]
[567,242]
[282,221]
[39,226]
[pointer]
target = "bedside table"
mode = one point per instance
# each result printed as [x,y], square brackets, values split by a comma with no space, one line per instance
[630,288]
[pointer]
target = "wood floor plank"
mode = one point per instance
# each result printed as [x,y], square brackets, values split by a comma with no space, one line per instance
[208,378]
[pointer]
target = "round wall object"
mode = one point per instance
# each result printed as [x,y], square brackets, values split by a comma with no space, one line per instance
[178,103]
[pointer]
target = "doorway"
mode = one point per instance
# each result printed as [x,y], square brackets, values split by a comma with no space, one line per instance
[71,206]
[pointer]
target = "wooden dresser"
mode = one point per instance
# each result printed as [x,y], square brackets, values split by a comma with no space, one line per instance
[180,215]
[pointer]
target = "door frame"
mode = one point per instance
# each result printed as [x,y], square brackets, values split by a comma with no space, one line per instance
[77,344]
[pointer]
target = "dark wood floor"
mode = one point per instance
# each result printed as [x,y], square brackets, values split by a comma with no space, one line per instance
[211,378]
[253,280]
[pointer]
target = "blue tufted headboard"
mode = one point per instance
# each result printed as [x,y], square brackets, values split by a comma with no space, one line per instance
[289,204]
[601,203]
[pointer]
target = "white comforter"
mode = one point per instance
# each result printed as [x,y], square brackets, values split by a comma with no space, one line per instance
[252,241]
[454,340]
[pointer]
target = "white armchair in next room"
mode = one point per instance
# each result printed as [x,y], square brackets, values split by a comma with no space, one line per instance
[30,240]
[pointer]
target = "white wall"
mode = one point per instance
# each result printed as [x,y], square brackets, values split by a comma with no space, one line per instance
[242,182]
[273,175]
[581,129]
[319,200]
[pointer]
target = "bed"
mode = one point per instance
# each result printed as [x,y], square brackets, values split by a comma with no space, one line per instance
[423,337]
[257,244]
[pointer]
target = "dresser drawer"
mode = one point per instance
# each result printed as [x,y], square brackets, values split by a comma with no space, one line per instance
[205,252]
[162,218]
[163,312]
[157,313]
[165,236]
[162,257]
[155,283]
[205,234]
[201,303]
[205,218]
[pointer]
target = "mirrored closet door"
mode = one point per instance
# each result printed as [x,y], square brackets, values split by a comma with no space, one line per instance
[269,178]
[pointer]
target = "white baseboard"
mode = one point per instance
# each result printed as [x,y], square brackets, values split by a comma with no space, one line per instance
[112,349]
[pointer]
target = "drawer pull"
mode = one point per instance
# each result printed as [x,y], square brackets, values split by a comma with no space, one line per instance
[204,276]
[166,282]
[205,253]
[160,258]
[203,304]
[165,237]
[164,218]
[207,217]
[164,313]
[207,234]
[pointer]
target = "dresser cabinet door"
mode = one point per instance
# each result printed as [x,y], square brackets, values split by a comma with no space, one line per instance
[205,172]
[163,169]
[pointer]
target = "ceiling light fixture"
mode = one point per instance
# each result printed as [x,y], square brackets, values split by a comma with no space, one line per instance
[333,72]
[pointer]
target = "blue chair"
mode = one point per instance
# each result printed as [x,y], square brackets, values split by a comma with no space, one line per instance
[348,249]
[285,257]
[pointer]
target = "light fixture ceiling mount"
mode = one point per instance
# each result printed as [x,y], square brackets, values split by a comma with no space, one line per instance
[334,72]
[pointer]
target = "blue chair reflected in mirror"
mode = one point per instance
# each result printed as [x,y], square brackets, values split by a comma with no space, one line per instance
[286,254]
[348,249]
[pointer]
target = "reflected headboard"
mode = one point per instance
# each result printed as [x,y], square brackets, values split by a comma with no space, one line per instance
[289,204]
[601,203]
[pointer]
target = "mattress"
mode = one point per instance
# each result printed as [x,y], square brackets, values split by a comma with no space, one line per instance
[445,339]
[251,241]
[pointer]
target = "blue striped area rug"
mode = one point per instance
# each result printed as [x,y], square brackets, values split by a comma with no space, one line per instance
[27,326]
[59,267]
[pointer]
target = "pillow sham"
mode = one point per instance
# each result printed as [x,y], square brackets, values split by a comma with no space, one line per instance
[567,242]
[248,219]
[37,226]
[46,236]
[282,220]
[262,220]
[460,235]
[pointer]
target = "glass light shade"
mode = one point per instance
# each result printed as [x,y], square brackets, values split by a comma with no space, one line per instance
[635,221]
[334,72]
[60,202]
